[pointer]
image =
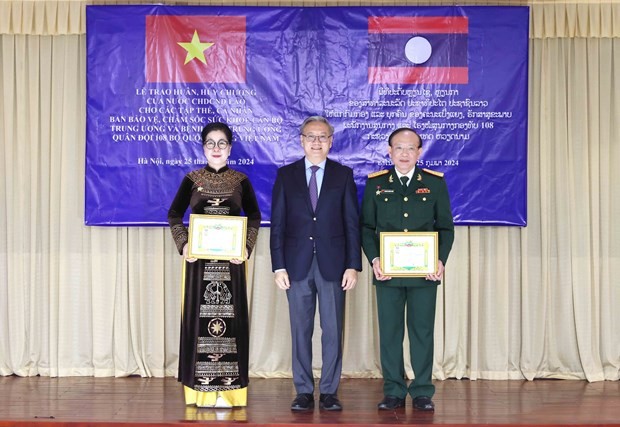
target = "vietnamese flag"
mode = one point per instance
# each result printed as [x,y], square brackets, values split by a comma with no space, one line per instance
[404,49]
[195,49]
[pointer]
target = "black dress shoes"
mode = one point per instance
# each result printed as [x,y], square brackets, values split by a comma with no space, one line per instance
[329,402]
[303,402]
[423,403]
[391,402]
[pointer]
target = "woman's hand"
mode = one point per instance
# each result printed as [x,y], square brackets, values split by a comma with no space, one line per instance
[185,252]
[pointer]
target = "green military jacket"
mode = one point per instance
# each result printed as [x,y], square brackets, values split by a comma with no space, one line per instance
[423,206]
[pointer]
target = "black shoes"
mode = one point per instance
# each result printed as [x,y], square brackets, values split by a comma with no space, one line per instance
[303,402]
[330,402]
[423,403]
[420,403]
[391,402]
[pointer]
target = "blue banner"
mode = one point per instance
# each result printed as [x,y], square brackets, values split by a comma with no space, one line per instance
[157,74]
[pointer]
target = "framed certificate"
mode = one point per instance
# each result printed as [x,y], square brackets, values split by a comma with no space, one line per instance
[217,236]
[412,254]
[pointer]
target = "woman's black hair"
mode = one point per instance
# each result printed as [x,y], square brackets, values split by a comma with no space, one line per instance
[216,126]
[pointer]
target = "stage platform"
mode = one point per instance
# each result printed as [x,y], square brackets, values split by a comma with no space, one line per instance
[141,402]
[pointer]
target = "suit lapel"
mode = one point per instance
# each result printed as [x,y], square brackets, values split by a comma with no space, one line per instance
[300,182]
[416,182]
[397,184]
[327,179]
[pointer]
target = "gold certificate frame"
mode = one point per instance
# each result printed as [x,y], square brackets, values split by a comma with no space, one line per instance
[217,236]
[412,254]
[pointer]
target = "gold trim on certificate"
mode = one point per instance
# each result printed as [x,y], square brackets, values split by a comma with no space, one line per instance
[217,236]
[412,254]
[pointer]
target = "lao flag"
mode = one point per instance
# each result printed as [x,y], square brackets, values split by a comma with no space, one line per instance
[195,49]
[418,49]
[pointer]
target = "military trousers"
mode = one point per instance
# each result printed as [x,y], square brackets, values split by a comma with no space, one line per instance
[418,304]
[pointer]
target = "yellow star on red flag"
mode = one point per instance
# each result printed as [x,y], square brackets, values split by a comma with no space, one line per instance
[171,38]
[195,49]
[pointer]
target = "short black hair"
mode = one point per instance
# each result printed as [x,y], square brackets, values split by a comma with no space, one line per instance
[399,130]
[216,126]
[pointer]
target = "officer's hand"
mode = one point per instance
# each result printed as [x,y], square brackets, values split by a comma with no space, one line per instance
[376,268]
[281,279]
[349,279]
[437,276]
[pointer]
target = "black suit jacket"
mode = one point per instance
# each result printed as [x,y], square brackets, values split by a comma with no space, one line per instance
[333,229]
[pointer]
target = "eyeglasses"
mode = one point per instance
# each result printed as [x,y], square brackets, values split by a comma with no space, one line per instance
[321,138]
[222,144]
[400,150]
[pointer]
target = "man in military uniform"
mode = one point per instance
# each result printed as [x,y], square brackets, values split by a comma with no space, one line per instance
[406,198]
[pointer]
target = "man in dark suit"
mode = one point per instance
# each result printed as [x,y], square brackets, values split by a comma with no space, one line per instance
[315,252]
[406,198]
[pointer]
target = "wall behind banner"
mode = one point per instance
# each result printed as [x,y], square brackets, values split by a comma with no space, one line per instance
[369,70]
[533,302]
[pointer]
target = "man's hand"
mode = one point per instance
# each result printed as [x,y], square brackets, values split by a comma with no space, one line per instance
[281,279]
[376,268]
[185,252]
[437,276]
[349,279]
[237,261]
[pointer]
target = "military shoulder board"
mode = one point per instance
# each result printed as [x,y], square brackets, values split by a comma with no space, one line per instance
[439,174]
[378,173]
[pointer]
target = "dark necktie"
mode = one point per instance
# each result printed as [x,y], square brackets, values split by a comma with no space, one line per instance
[404,180]
[312,188]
